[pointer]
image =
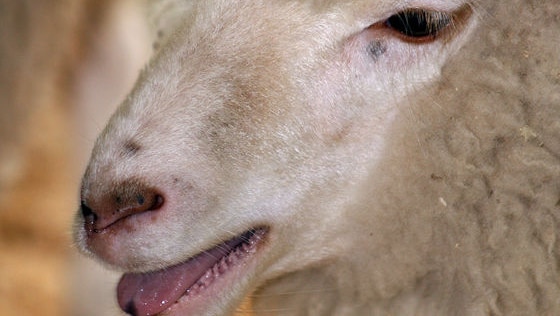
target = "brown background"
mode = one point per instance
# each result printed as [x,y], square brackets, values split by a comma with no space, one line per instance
[64,66]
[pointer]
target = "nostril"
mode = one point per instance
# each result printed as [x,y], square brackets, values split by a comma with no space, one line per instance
[87,213]
[122,201]
[89,216]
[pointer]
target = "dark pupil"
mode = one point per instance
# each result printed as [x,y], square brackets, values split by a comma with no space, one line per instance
[418,23]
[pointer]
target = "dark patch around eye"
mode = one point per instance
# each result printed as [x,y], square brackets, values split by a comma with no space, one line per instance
[418,23]
[376,49]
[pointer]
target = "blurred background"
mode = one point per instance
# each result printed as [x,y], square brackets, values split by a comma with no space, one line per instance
[64,67]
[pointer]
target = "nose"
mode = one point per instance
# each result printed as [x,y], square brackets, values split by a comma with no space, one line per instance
[119,202]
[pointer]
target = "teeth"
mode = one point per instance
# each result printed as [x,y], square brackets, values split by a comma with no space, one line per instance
[222,268]
[193,289]
[225,263]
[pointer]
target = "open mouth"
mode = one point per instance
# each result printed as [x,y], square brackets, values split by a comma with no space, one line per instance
[144,294]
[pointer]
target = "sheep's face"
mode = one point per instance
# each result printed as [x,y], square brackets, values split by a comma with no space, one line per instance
[232,159]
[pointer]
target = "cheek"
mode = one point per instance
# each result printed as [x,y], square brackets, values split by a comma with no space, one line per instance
[342,100]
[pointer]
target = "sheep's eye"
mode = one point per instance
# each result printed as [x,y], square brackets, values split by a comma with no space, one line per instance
[418,23]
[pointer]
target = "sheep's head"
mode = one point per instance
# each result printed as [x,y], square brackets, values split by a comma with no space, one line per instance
[244,139]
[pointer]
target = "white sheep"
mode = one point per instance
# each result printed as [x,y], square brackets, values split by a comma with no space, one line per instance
[371,157]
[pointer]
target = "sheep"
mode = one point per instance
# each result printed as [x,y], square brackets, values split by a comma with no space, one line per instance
[335,158]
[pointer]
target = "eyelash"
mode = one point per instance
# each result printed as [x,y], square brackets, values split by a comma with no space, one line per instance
[419,25]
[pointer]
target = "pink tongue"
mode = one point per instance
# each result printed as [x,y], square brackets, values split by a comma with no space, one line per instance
[144,294]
